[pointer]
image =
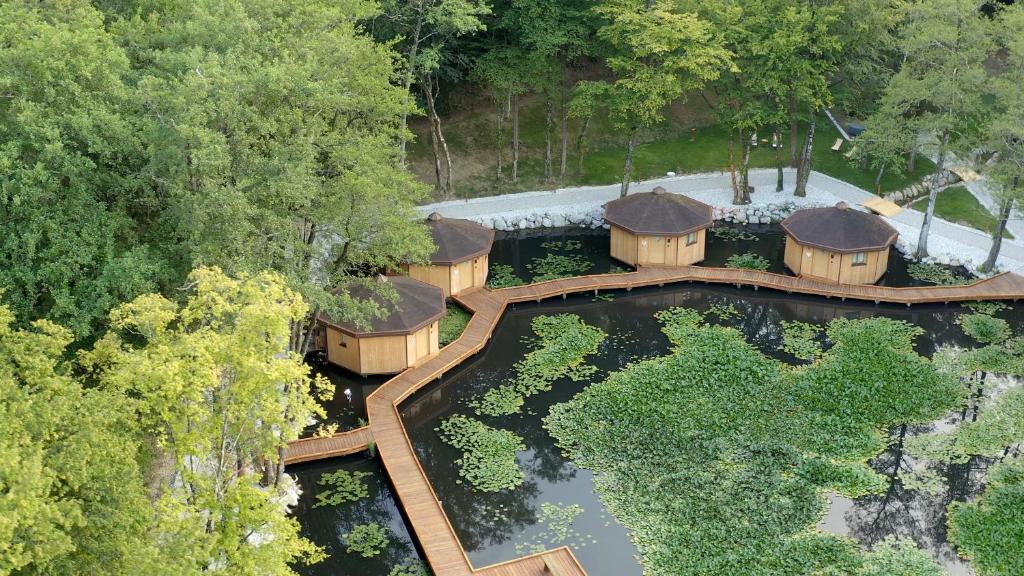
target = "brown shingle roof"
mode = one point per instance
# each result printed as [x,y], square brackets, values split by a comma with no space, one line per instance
[418,305]
[840,228]
[659,213]
[458,240]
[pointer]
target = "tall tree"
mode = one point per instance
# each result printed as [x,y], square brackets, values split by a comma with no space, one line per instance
[657,54]
[940,87]
[74,212]
[210,380]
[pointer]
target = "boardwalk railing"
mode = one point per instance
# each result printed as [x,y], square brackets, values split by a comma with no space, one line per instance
[426,515]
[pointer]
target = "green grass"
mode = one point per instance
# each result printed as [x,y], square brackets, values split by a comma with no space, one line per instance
[452,324]
[957,204]
[671,147]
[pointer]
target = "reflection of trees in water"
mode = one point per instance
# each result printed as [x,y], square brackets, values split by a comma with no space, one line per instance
[915,514]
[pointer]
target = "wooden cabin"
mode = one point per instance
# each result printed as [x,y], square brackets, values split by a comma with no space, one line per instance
[406,336]
[459,261]
[658,228]
[838,244]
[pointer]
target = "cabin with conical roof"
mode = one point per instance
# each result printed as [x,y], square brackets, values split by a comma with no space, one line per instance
[405,335]
[838,244]
[658,228]
[460,259]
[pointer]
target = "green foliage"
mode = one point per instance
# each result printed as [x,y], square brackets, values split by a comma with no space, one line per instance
[729,234]
[723,311]
[367,540]
[801,340]
[343,486]
[488,460]
[935,274]
[452,325]
[555,266]
[748,260]
[991,531]
[731,483]
[562,245]
[990,307]
[416,568]
[503,276]
[894,557]
[984,328]
[998,426]
[564,341]
[957,204]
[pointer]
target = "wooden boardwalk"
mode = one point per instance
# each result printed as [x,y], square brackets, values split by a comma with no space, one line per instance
[427,517]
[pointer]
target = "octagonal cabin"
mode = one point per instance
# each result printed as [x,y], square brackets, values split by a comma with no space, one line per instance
[658,228]
[404,337]
[459,262]
[838,244]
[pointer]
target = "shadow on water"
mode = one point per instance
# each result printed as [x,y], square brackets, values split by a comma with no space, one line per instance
[326,525]
[501,526]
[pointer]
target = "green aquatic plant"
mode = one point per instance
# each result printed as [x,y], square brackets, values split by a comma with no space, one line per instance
[984,328]
[342,486]
[562,245]
[603,297]
[990,531]
[564,341]
[935,274]
[488,459]
[453,323]
[413,568]
[723,311]
[747,260]
[555,266]
[367,540]
[895,557]
[716,457]
[990,307]
[801,340]
[503,276]
[558,518]
[732,234]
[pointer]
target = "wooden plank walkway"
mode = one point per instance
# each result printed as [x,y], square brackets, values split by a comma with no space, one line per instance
[426,515]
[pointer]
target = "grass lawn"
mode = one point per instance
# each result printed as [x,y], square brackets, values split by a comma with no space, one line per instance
[668,148]
[957,204]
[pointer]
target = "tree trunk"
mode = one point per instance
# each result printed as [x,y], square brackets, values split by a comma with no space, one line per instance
[803,169]
[779,180]
[794,132]
[410,73]
[549,129]
[627,168]
[741,189]
[564,120]
[878,178]
[515,137]
[436,147]
[581,145]
[499,137]
[447,186]
[997,236]
[933,194]
[912,159]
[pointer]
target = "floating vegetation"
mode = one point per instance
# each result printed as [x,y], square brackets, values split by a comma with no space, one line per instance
[503,276]
[801,340]
[716,456]
[990,531]
[488,460]
[732,234]
[342,486]
[604,297]
[562,245]
[564,341]
[990,307]
[984,328]
[935,274]
[723,311]
[748,261]
[616,269]
[557,520]
[555,266]
[412,568]
[452,324]
[367,540]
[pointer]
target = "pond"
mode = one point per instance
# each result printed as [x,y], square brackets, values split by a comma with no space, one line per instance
[495,527]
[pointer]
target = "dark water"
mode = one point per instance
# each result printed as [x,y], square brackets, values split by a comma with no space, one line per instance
[326,525]
[503,526]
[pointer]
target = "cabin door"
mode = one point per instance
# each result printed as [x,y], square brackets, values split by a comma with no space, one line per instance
[656,250]
[477,272]
[834,262]
[807,261]
[670,250]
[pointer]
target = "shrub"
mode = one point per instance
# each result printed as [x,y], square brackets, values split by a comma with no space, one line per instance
[747,260]
[452,325]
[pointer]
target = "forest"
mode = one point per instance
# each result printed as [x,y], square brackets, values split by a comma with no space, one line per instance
[184,186]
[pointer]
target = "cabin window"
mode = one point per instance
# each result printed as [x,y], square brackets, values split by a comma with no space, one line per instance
[860,259]
[343,342]
[691,238]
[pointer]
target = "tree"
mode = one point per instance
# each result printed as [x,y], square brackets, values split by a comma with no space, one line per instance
[276,159]
[74,211]
[73,495]
[940,87]
[424,29]
[1004,133]
[212,381]
[657,54]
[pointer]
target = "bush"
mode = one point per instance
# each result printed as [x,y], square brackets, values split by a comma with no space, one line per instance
[452,325]
[748,260]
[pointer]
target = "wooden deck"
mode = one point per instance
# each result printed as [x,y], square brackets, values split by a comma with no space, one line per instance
[426,515]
